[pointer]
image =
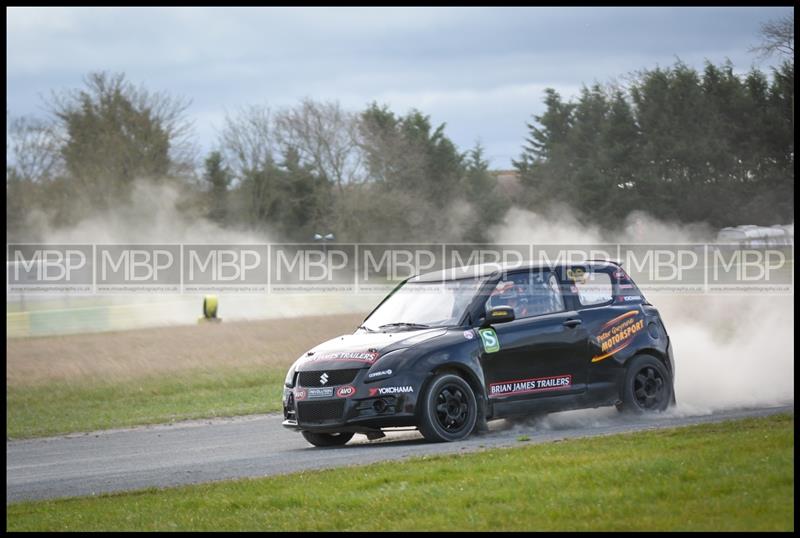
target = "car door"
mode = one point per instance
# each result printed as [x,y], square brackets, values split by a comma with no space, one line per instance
[609,305]
[541,353]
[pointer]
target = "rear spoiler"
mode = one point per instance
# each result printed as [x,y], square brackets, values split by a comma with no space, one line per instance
[616,262]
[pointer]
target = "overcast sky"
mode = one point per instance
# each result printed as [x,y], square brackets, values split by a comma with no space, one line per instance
[481,70]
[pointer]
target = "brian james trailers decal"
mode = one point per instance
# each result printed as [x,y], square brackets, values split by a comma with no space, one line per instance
[358,356]
[526,386]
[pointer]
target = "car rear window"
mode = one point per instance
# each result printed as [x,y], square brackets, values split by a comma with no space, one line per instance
[594,288]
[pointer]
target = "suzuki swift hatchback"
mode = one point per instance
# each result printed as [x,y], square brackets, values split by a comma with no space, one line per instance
[447,351]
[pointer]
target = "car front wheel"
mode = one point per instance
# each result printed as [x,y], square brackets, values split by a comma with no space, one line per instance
[328,439]
[648,386]
[449,409]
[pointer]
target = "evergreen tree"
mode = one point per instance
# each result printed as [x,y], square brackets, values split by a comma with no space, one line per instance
[479,187]
[546,158]
[305,198]
[219,179]
[683,145]
[116,133]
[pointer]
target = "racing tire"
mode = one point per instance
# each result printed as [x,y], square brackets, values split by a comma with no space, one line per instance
[449,410]
[648,386]
[328,439]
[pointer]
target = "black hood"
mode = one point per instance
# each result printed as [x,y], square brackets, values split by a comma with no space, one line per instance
[361,349]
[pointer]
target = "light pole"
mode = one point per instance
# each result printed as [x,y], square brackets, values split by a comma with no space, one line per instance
[324,239]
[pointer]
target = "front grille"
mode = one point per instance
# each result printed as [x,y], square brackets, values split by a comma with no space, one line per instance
[319,411]
[335,377]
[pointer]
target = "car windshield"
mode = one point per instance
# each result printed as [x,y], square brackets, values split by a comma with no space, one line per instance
[424,304]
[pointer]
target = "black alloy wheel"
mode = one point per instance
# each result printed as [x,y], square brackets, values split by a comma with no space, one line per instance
[448,409]
[648,386]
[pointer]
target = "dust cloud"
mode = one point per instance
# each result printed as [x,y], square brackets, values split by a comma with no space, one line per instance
[730,350]
[153,214]
[156,213]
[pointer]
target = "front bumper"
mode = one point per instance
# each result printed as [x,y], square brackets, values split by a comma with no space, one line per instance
[364,406]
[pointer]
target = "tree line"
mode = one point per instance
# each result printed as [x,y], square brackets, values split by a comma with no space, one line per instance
[683,145]
[311,168]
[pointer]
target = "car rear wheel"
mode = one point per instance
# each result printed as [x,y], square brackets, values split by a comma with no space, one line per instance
[449,409]
[328,439]
[648,386]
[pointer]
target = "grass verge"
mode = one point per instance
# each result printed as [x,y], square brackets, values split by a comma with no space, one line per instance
[84,382]
[736,475]
[63,407]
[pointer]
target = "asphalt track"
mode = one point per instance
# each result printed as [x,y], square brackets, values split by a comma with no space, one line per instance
[255,446]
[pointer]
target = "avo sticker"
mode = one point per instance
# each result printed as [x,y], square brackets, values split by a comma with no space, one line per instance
[491,343]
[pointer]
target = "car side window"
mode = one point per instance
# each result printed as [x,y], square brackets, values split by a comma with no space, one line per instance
[530,294]
[593,287]
[555,290]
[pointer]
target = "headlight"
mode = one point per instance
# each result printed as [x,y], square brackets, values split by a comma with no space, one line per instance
[289,381]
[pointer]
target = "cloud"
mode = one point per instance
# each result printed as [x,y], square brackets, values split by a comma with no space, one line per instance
[481,70]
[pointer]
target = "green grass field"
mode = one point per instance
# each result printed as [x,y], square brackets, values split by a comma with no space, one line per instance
[85,382]
[736,475]
[78,407]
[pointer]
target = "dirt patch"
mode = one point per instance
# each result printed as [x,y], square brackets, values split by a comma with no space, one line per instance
[104,357]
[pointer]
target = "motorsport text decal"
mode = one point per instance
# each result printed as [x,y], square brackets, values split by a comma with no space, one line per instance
[618,333]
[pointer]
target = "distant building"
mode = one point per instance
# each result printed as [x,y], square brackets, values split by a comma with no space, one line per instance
[750,235]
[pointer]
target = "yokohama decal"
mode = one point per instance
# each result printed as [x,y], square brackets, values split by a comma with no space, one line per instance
[380,391]
[526,386]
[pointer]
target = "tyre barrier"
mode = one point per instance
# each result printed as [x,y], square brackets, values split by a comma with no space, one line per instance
[210,304]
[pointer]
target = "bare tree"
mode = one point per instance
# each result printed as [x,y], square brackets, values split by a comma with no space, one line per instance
[777,36]
[247,139]
[326,137]
[31,148]
[248,144]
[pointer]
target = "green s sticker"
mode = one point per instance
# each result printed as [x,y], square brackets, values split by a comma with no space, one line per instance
[491,343]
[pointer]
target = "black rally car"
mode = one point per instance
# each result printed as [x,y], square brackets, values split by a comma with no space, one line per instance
[445,352]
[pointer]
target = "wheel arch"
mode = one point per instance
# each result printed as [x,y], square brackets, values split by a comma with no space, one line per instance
[662,357]
[465,372]
[658,354]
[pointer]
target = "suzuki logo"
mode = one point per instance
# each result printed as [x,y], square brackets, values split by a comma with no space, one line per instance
[323,378]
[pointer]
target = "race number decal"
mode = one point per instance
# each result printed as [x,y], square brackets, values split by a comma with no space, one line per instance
[491,343]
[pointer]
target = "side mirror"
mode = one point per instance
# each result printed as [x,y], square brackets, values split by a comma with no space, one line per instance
[499,314]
